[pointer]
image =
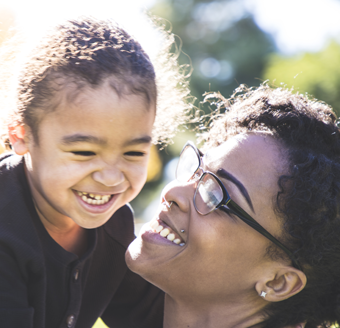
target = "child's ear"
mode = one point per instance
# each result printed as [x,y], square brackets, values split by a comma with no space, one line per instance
[284,283]
[18,138]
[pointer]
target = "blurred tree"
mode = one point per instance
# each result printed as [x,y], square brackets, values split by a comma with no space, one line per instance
[222,40]
[315,73]
[225,48]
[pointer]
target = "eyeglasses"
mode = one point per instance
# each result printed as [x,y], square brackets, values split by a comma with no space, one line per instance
[211,194]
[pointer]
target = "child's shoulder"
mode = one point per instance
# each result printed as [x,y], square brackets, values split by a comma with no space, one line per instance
[9,161]
[17,230]
[11,176]
[14,211]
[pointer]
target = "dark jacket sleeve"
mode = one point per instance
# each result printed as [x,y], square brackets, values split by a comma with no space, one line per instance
[14,309]
[21,267]
[136,304]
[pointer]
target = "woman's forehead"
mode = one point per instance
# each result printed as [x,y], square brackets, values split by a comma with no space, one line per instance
[254,160]
[227,147]
[254,156]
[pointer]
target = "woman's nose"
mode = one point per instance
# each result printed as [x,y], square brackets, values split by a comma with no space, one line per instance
[180,194]
[109,176]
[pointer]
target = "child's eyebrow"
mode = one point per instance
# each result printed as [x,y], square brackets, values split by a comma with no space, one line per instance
[138,141]
[74,138]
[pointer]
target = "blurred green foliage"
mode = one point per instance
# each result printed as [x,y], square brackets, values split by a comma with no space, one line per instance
[221,39]
[226,48]
[315,73]
[99,324]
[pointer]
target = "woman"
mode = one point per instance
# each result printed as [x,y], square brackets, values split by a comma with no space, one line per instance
[249,236]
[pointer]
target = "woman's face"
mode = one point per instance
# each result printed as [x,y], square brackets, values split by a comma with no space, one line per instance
[221,256]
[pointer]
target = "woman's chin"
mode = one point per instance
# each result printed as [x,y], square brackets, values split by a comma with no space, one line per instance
[134,251]
[132,254]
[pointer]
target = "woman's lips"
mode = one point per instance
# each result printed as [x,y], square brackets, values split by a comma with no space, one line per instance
[158,232]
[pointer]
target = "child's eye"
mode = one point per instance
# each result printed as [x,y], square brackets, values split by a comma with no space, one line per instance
[83,153]
[135,153]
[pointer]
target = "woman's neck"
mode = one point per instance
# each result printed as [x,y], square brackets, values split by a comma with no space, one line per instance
[185,314]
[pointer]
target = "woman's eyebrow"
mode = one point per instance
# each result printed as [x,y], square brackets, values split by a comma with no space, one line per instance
[228,176]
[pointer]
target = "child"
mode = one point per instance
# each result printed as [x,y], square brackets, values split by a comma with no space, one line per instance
[86,105]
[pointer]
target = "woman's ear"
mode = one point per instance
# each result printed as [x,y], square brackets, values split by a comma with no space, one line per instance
[18,138]
[284,283]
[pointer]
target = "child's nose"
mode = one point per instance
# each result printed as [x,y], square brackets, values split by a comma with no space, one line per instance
[109,176]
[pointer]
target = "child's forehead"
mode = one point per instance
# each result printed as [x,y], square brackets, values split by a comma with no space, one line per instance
[96,112]
[75,92]
[100,122]
[100,107]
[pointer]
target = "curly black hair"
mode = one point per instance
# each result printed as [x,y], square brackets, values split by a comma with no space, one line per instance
[309,197]
[85,51]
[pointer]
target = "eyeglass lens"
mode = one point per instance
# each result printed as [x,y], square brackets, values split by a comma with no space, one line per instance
[187,165]
[208,192]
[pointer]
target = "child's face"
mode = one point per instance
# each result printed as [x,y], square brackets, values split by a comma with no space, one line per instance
[91,158]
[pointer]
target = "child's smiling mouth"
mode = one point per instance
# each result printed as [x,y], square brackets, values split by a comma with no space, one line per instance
[96,203]
[94,199]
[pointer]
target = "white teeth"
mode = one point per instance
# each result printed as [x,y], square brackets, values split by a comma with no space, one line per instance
[165,232]
[171,236]
[159,228]
[95,199]
[154,225]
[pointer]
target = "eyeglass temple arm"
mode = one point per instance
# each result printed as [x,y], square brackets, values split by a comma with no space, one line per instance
[244,216]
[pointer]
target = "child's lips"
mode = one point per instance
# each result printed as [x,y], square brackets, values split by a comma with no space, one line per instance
[94,198]
[96,203]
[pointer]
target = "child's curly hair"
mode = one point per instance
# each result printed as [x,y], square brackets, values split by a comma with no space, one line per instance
[309,200]
[86,51]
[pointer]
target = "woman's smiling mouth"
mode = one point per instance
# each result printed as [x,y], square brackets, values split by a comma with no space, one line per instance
[166,232]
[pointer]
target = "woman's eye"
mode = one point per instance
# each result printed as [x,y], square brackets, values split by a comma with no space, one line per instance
[83,153]
[135,153]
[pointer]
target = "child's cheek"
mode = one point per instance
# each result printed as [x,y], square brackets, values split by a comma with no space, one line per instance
[140,175]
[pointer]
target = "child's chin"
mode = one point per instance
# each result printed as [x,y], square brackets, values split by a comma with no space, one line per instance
[91,224]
